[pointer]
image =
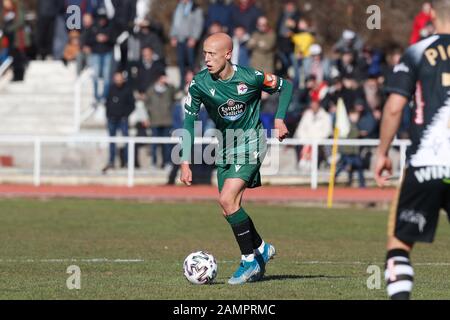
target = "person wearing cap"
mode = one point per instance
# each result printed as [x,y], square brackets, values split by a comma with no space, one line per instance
[349,40]
[318,66]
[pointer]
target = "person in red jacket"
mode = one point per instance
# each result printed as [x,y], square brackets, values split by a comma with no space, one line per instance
[420,23]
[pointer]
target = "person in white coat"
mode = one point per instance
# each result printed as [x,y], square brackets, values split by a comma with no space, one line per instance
[316,123]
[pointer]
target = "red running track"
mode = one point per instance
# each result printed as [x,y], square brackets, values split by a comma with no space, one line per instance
[266,194]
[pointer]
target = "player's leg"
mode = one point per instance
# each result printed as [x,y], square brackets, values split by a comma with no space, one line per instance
[399,274]
[414,218]
[230,201]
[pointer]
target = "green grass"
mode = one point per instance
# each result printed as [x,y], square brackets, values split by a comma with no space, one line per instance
[323,254]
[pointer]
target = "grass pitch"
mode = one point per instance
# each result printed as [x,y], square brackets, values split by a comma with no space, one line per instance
[128,250]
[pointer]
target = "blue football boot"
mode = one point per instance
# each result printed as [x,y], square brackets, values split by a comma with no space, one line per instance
[264,258]
[247,272]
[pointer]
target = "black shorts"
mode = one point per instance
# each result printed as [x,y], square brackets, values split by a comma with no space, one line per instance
[415,211]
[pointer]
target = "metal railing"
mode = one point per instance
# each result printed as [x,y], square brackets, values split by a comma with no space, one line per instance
[78,116]
[132,141]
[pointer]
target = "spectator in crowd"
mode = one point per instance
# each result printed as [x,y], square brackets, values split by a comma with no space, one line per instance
[350,66]
[150,68]
[4,44]
[245,13]
[219,11]
[350,155]
[373,94]
[263,46]
[373,61]
[178,118]
[144,31]
[152,34]
[352,93]
[303,39]
[241,54]
[72,49]
[318,66]
[269,107]
[47,12]
[421,24]
[119,105]
[12,23]
[349,41]
[159,102]
[286,27]
[60,35]
[186,31]
[99,44]
[141,12]
[314,124]
[313,90]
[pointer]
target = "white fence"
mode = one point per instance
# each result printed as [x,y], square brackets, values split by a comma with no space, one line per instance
[132,141]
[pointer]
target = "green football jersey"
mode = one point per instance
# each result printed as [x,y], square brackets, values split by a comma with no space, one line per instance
[234,106]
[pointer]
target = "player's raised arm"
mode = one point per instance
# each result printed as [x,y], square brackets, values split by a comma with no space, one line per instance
[272,84]
[191,110]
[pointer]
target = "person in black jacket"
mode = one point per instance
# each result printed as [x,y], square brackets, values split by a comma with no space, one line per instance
[286,26]
[149,69]
[47,12]
[99,45]
[119,105]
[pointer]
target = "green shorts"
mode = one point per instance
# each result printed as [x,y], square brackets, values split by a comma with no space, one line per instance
[247,172]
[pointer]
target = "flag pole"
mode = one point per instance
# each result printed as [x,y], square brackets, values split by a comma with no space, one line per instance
[333,168]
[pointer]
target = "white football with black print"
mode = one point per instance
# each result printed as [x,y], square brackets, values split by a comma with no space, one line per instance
[200,267]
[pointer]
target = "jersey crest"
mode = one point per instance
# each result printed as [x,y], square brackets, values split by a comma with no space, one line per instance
[242,88]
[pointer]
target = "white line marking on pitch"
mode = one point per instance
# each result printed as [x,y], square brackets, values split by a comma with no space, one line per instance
[97,260]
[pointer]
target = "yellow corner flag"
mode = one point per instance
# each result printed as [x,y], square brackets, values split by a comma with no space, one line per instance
[341,130]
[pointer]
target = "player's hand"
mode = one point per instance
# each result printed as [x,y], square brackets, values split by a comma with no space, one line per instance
[383,163]
[186,174]
[281,130]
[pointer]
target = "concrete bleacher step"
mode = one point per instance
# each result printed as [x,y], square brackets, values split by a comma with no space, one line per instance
[43,104]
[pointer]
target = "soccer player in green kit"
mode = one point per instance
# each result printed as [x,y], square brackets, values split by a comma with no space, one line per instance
[232,97]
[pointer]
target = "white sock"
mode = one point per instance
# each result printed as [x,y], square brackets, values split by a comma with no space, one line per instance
[248,258]
[260,250]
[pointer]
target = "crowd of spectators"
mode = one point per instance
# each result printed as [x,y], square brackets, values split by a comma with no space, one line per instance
[125,40]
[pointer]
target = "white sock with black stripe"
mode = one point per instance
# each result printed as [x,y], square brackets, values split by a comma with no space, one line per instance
[399,275]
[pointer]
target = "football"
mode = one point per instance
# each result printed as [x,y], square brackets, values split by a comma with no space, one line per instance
[200,267]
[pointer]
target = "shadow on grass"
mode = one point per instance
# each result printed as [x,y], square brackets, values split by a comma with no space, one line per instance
[299,277]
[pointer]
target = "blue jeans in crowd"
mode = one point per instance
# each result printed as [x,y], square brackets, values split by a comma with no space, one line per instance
[115,124]
[101,64]
[166,148]
[185,59]
[268,120]
[352,162]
